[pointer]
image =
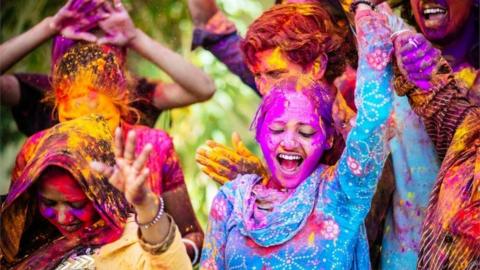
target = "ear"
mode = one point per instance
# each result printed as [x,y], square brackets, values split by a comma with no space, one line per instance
[329,142]
[319,66]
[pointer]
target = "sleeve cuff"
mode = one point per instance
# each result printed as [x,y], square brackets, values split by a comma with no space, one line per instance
[217,28]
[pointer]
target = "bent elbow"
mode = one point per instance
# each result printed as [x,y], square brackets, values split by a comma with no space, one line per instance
[209,90]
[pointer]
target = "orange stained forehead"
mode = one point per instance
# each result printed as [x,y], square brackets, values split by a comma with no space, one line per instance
[90,102]
[271,66]
[270,59]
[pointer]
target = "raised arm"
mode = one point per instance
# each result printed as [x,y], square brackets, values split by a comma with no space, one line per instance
[158,236]
[13,51]
[192,84]
[215,33]
[73,21]
[166,179]
[70,21]
[434,94]
[362,161]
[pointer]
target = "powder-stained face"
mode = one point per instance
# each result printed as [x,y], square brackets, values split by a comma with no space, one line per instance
[273,65]
[292,138]
[441,19]
[64,204]
[89,103]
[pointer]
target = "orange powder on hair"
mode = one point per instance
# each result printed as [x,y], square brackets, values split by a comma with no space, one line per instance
[91,70]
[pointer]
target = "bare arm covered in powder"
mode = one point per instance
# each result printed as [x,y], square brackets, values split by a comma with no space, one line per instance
[191,83]
[70,21]
[215,33]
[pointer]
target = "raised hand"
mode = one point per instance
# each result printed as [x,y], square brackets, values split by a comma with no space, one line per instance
[223,164]
[77,17]
[201,11]
[118,26]
[129,176]
[130,172]
[417,59]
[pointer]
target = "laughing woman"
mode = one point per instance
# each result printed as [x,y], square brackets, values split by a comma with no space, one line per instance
[308,214]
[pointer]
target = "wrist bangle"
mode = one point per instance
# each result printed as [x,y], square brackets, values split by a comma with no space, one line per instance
[159,248]
[399,32]
[354,5]
[160,212]
[196,255]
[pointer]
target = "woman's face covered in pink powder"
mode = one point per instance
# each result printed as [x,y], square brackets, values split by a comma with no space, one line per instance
[64,204]
[292,136]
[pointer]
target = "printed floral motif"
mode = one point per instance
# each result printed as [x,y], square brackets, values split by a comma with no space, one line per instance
[378,59]
[219,208]
[354,166]
[330,230]
[209,264]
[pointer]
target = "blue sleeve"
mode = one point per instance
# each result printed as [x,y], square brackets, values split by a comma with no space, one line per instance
[362,161]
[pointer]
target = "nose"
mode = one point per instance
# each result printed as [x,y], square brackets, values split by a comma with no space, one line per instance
[65,215]
[290,143]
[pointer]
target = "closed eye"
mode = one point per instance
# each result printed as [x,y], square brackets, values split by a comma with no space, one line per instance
[307,131]
[78,205]
[48,202]
[276,130]
[306,134]
[275,74]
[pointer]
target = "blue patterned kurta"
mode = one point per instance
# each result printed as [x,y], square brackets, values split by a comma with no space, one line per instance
[320,225]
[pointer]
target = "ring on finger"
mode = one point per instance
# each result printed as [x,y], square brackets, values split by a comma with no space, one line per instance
[413,42]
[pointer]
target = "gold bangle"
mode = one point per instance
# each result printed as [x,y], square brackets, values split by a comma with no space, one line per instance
[163,246]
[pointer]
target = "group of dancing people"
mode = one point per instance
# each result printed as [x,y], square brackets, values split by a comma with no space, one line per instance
[368,126]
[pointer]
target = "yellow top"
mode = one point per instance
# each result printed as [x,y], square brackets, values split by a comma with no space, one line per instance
[126,253]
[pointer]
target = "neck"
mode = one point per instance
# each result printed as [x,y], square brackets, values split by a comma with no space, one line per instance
[273,183]
[457,49]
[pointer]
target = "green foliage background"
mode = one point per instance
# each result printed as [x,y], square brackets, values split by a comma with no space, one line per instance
[167,21]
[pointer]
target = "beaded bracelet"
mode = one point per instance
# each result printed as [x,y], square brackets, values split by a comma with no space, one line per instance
[160,212]
[354,5]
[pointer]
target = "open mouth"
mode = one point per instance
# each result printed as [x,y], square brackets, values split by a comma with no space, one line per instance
[71,227]
[434,15]
[289,162]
